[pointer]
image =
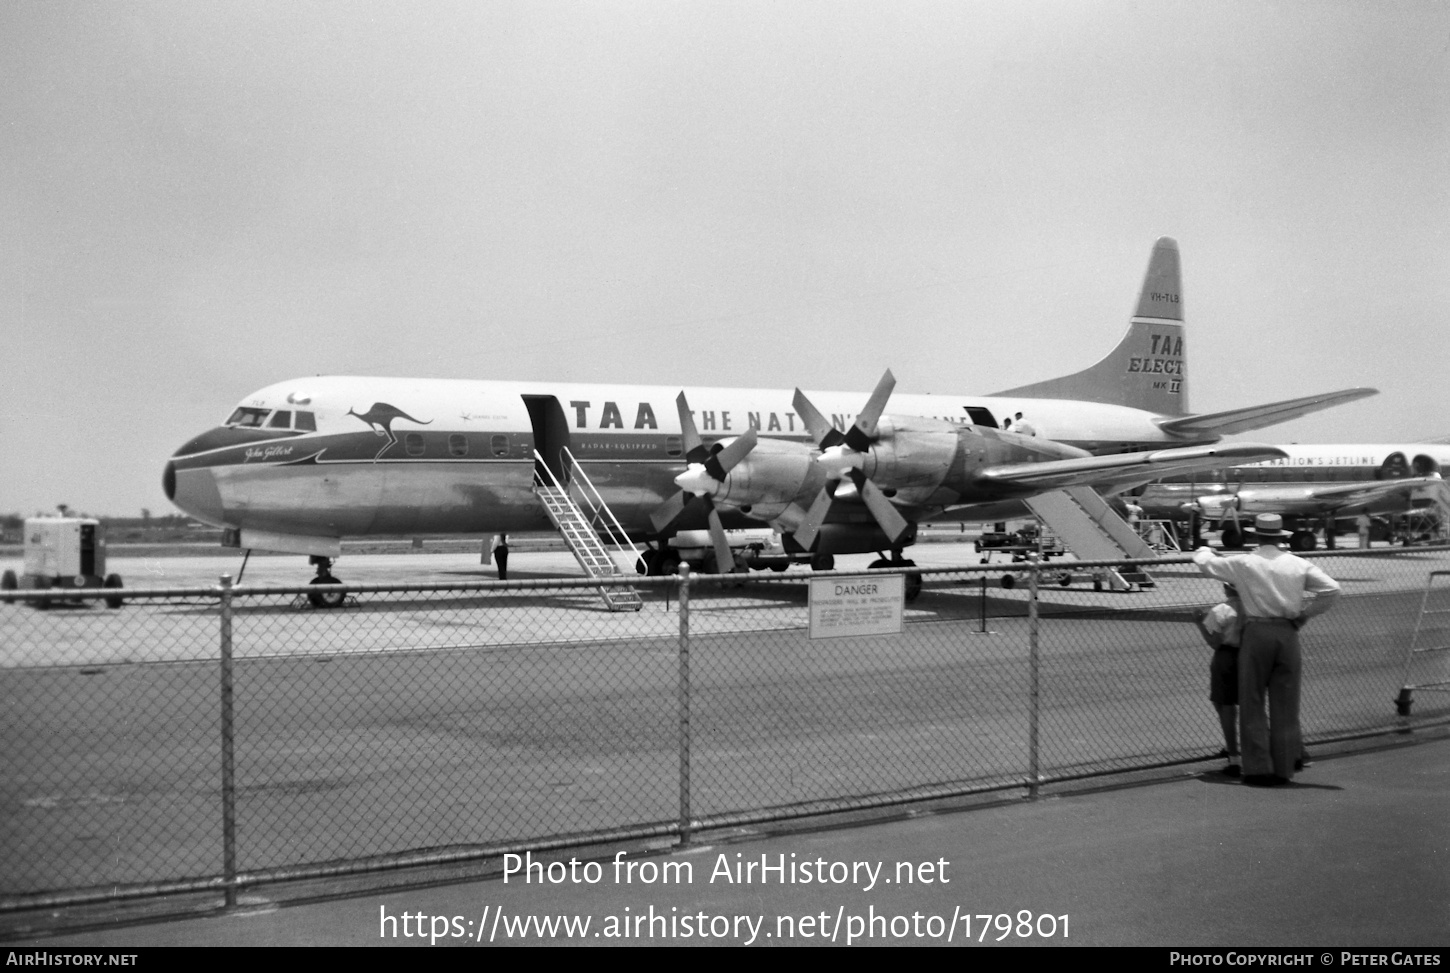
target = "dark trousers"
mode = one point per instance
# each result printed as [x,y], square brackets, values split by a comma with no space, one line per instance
[1270,668]
[501,558]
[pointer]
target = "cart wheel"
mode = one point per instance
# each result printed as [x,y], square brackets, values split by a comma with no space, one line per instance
[114,581]
[1065,579]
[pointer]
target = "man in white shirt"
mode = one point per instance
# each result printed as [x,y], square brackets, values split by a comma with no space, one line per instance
[1279,592]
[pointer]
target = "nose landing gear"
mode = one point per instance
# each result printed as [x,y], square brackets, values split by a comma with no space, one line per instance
[322,598]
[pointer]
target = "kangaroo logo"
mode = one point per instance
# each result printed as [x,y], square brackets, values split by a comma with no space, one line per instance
[380,417]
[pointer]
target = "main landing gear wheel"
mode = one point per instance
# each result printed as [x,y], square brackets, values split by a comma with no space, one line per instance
[653,563]
[823,562]
[1231,538]
[913,580]
[1303,540]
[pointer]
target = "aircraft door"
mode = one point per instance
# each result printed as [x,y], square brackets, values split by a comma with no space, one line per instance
[980,416]
[551,433]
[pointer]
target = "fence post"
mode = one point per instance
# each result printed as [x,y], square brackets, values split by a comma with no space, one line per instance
[229,792]
[983,603]
[684,694]
[1034,571]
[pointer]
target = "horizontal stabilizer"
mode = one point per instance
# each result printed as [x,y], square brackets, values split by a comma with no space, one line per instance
[1210,424]
[1121,471]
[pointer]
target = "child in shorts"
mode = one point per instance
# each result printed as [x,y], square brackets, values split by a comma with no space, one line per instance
[1221,627]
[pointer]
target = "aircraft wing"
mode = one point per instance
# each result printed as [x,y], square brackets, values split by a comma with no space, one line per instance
[1211,424]
[1120,471]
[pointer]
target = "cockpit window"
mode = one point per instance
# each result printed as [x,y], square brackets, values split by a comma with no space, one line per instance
[306,422]
[248,418]
[281,419]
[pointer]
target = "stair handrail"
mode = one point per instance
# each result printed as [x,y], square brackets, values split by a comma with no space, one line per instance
[539,464]
[602,518]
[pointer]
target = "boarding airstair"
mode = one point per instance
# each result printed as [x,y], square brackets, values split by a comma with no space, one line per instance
[1427,660]
[1430,523]
[595,537]
[1160,535]
[1089,528]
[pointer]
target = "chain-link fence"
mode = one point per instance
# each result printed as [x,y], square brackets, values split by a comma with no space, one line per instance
[216,737]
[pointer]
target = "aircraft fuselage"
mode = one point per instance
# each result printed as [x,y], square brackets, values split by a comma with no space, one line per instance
[349,457]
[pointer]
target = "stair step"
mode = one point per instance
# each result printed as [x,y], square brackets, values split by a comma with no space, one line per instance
[588,548]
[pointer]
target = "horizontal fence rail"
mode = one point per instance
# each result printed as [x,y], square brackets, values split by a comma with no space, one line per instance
[208,738]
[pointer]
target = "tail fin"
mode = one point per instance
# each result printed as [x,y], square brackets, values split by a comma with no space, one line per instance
[1149,368]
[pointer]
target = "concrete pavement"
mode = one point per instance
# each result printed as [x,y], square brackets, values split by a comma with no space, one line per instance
[1355,853]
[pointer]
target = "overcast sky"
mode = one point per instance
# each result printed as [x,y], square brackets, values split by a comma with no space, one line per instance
[199,199]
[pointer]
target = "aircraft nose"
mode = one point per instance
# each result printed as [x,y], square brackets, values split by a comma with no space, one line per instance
[195,492]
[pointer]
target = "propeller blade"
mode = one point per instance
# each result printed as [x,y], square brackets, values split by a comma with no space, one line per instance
[664,516]
[821,431]
[695,451]
[805,534]
[724,560]
[860,436]
[668,512]
[885,512]
[723,461]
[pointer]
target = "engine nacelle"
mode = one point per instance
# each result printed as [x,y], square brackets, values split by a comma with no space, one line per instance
[980,448]
[915,462]
[909,460]
[765,482]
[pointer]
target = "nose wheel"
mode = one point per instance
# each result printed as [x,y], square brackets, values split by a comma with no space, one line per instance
[322,598]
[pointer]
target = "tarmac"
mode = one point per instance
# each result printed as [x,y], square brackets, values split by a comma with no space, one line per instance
[1354,853]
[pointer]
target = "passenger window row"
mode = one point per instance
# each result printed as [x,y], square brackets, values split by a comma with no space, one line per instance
[416,445]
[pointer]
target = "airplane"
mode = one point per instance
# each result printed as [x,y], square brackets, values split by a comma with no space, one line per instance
[301,464]
[1309,484]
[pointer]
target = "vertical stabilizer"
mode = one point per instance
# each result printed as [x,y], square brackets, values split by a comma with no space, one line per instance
[1149,367]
